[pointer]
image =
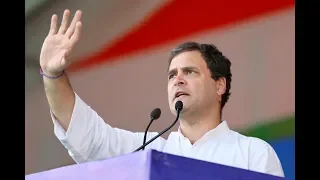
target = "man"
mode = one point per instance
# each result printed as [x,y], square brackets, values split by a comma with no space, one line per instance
[198,75]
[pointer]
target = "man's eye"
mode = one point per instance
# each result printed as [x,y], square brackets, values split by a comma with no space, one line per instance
[190,72]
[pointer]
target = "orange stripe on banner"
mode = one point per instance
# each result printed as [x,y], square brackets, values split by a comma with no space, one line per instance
[181,18]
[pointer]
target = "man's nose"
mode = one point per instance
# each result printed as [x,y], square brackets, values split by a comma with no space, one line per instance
[179,80]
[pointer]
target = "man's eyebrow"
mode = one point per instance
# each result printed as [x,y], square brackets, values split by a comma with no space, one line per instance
[172,71]
[187,68]
[190,68]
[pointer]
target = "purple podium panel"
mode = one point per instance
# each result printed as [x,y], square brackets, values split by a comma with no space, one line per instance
[149,165]
[131,166]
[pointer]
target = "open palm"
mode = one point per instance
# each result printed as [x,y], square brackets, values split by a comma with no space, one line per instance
[59,44]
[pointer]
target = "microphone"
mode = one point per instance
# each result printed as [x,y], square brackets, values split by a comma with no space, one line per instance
[155,114]
[178,107]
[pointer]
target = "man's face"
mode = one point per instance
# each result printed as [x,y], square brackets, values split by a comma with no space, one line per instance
[189,80]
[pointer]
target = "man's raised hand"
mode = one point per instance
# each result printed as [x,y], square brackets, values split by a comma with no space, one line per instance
[59,43]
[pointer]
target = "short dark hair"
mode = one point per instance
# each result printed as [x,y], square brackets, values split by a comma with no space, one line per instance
[217,63]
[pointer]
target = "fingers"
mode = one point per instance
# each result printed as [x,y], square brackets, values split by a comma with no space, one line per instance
[76,18]
[77,32]
[53,26]
[73,31]
[64,22]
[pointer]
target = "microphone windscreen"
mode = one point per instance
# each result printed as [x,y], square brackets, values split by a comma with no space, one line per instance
[155,114]
[179,105]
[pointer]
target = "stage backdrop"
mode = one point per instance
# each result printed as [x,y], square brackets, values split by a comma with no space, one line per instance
[122,73]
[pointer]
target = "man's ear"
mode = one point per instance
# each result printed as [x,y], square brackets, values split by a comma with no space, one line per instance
[221,86]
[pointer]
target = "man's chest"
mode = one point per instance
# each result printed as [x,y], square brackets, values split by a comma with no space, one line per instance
[226,153]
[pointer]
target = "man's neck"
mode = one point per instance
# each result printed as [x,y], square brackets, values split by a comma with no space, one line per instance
[195,128]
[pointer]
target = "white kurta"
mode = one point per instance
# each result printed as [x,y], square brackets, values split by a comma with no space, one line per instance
[89,138]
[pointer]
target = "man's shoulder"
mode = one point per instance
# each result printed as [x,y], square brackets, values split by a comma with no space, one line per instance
[261,155]
[253,143]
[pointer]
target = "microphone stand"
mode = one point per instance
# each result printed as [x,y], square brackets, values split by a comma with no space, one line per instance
[145,133]
[144,145]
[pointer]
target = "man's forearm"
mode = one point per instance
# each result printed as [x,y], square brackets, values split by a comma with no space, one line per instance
[61,98]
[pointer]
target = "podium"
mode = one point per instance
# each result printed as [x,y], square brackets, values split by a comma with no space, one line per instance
[149,165]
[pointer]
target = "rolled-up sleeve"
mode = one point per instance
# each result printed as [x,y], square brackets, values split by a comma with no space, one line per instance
[89,138]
